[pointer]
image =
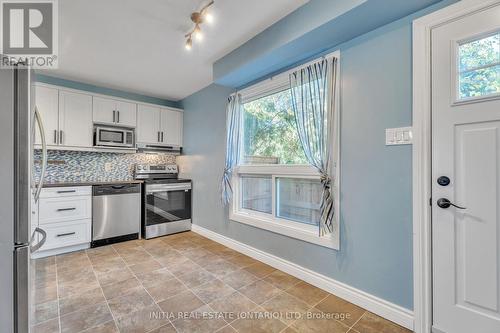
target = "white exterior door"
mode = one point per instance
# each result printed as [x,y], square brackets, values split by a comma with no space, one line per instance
[148,124]
[75,119]
[47,100]
[466,172]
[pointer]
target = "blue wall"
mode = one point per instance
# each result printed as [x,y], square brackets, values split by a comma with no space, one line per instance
[300,35]
[105,91]
[376,192]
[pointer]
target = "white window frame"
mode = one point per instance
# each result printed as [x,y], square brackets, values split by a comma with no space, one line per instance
[271,222]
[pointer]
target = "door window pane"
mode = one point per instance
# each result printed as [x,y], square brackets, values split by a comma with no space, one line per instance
[479,67]
[256,193]
[299,200]
[480,82]
[479,53]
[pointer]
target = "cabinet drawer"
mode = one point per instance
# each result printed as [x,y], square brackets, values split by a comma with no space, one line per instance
[67,234]
[53,210]
[59,192]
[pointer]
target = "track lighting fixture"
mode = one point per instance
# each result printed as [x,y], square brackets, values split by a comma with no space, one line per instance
[198,18]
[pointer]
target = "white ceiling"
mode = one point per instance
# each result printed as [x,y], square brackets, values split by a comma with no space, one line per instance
[138,45]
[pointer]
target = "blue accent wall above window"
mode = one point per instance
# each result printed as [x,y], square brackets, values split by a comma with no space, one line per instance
[294,39]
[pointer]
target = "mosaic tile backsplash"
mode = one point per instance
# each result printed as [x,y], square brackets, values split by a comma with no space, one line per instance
[76,166]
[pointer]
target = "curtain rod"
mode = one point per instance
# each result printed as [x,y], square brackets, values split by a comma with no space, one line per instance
[289,71]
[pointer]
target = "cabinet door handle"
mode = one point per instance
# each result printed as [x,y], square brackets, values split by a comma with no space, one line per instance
[66,234]
[66,209]
[114,116]
[55,136]
[66,191]
[118,116]
[162,137]
[158,136]
[61,137]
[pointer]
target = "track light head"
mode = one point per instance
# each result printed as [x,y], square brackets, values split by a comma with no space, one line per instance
[189,43]
[197,33]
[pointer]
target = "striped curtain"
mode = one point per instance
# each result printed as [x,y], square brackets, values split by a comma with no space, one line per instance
[313,101]
[233,130]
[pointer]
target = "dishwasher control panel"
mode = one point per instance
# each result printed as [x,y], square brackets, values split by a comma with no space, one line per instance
[116,189]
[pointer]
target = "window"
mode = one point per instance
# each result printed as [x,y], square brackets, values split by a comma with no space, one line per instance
[299,199]
[275,188]
[256,193]
[479,67]
[270,133]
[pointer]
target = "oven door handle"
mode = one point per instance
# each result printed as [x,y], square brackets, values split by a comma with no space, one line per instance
[169,189]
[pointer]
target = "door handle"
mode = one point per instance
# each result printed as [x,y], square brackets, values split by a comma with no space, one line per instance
[40,243]
[162,136]
[118,116]
[55,136]
[66,191]
[39,122]
[114,116]
[158,136]
[445,203]
[61,137]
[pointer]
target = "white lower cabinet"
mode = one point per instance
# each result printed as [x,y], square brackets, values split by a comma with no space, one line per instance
[60,235]
[53,210]
[65,214]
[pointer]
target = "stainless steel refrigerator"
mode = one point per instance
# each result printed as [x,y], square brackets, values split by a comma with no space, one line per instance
[18,238]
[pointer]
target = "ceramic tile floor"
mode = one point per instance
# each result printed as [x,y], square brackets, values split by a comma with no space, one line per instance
[184,283]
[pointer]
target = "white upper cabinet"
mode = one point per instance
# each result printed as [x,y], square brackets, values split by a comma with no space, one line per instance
[75,119]
[148,124]
[157,125]
[114,112]
[171,125]
[69,115]
[127,113]
[104,110]
[47,102]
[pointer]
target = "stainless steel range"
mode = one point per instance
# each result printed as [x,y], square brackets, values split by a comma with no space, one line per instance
[166,200]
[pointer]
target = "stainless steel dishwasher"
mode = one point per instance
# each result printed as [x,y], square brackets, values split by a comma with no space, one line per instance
[116,213]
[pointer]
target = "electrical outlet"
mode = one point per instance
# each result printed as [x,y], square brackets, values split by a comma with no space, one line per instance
[108,167]
[398,136]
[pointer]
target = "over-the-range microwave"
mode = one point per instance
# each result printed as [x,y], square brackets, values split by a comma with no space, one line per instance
[109,136]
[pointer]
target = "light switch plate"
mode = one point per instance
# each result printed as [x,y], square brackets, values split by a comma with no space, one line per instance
[399,136]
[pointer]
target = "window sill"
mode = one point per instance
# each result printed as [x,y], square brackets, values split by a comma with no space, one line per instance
[330,241]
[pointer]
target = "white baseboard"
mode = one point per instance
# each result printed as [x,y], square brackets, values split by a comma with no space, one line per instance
[383,308]
[61,250]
